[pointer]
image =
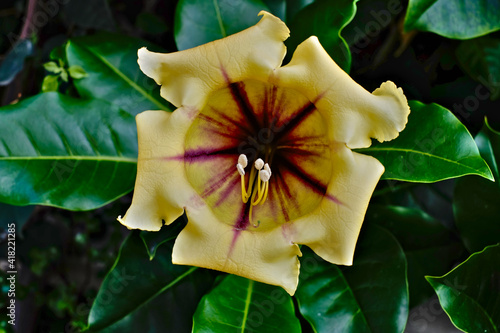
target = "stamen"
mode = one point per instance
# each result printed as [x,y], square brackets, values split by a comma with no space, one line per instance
[240,169]
[268,168]
[259,195]
[259,164]
[264,175]
[243,160]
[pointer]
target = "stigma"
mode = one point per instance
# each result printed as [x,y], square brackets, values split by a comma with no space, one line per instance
[258,183]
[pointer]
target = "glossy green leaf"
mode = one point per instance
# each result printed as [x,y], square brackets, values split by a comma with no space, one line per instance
[286,9]
[470,293]
[238,304]
[458,19]
[434,146]
[113,74]
[60,151]
[325,19]
[370,296]
[480,58]
[147,295]
[201,21]
[476,202]
[13,62]
[153,240]
[430,247]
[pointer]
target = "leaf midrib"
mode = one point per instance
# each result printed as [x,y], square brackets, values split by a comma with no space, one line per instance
[71,157]
[219,18]
[247,305]
[124,77]
[351,290]
[147,300]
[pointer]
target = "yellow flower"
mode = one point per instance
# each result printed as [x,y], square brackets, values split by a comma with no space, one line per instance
[259,156]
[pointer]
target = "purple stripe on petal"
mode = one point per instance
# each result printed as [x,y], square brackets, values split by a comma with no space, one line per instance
[217,184]
[229,187]
[195,155]
[308,180]
[240,97]
[295,120]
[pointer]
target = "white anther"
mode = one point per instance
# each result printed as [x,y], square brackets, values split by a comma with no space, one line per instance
[268,168]
[259,164]
[242,160]
[264,175]
[240,169]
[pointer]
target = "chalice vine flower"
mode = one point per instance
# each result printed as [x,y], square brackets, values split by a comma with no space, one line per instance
[259,156]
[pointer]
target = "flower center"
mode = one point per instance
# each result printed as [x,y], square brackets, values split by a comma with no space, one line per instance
[261,127]
[259,195]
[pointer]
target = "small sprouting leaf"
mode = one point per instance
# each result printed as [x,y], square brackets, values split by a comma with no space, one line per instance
[77,72]
[50,83]
[64,75]
[52,67]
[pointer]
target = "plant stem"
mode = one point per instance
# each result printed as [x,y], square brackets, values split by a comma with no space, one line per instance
[27,21]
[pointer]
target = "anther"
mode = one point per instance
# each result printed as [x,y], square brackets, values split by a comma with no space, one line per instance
[240,169]
[264,175]
[267,168]
[259,164]
[243,161]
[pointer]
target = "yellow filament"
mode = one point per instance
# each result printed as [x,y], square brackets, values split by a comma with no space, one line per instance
[266,188]
[245,194]
[258,196]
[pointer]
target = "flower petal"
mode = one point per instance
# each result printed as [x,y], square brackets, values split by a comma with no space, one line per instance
[161,188]
[355,114]
[187,77]
[332,229]
[264,256]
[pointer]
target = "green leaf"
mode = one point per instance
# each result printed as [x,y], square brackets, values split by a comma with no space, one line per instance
[13,62]
[77,72]
[60,151]
[242,305]
[480,58]
[64,75]
[458,19]
[430,247]
[113,73]
[470,293]
[286,9]
[370,296]
[153,240]
[201,21]
[50,83]
[476,202]
[155,295]
[52,67]
[325,19]
[434,146]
